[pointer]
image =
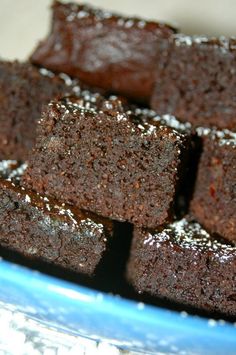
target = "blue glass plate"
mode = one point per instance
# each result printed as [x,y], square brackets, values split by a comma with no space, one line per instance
[130,325]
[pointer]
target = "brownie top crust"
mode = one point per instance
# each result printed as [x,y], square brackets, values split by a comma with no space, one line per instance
[182,262]
[64,212]
[42,228]
[11,173]
[189,234]
[223,137]
[223,43]
[25,71]
[196,81]
[147,121]
[104,49]
[73,11]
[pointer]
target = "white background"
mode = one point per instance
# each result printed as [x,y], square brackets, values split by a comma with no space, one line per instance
[24,22]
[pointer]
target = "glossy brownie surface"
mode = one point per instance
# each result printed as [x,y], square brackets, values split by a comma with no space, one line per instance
[103,49]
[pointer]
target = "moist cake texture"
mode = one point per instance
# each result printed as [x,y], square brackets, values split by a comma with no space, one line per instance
[102,49]
[24,89]
[214,199]
[183,263]
[119,163]
[196,81]
[41,228]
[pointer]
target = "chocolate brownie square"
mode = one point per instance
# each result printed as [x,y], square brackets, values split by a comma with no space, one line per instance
[197,82]
[119,163]
[214,199]
[23,90]
[105,50]
[41,228]
[183,263]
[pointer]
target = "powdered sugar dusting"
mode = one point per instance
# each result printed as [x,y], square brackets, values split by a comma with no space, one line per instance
[224,137]
[46,72]
[167,120]
[223,44]
[16,174]
[190,235]
[6,167]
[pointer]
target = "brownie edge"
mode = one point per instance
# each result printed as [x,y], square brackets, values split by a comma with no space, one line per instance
[105,50]
[44,229]
[183,263]
[120,163]
[214,199]
[197,81]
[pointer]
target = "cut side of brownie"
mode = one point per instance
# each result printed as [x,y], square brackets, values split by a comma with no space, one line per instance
[183,263]
[24,89]
[43,229]
[106,50]
[197,81]
[214,199]
[97,154]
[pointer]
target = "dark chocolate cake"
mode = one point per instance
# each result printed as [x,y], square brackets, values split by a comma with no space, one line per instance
[214,200]
[122,162]
[24,89]
[116,53]
[183,263]
[41,228]
[196,81]
[118,163]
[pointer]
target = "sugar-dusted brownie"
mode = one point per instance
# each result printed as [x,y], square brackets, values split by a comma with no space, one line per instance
[41,228]
[214,199]
[106,50]
[197,81]
[95,153]
[185,264]
[23,90]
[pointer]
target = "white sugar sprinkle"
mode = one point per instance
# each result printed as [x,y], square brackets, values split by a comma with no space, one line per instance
[27,198]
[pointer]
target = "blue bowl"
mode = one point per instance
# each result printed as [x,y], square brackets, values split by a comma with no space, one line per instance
[131,325]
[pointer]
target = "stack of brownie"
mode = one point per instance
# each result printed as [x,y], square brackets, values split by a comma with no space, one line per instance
[86,159]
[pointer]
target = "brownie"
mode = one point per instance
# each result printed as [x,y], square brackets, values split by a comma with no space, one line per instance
[185,264]
[95,153]
[196,81]
[214,199]
[23,90]
[106,50]
[41,228]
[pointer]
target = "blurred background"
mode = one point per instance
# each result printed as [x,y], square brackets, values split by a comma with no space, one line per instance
[24,22]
